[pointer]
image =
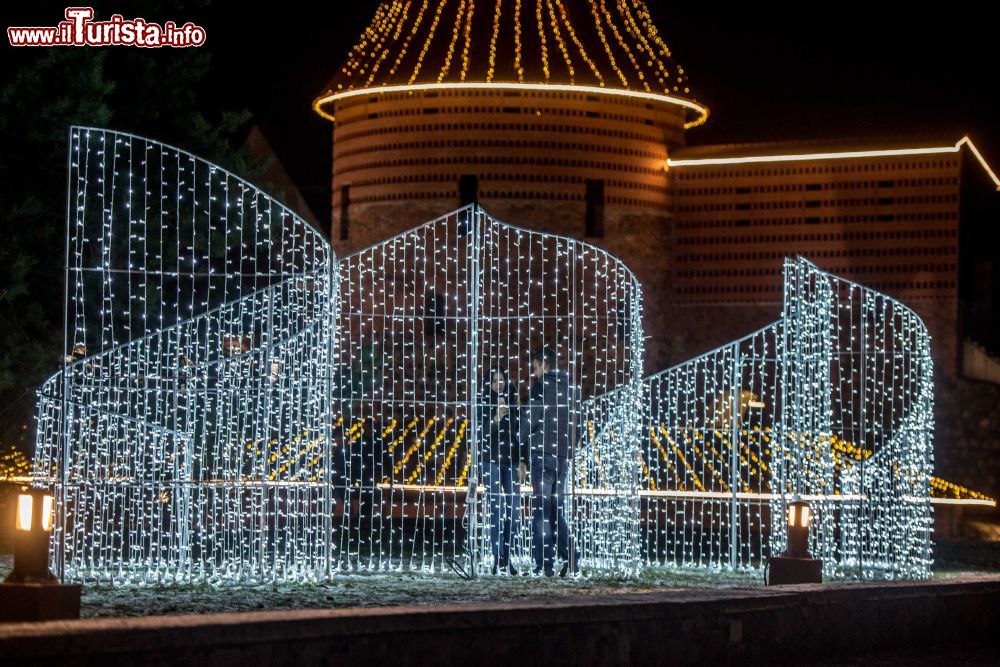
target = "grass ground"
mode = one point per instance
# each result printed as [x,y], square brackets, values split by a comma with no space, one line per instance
[372,590]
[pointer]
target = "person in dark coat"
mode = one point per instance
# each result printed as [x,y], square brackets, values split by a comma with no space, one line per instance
[547,427]
[499,458]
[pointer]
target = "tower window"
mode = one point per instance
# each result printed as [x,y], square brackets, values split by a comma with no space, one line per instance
[595,208]
[345,212]
[468,189]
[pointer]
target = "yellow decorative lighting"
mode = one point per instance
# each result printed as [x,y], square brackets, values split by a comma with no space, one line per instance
[589,45]
[700,110]
[843,155]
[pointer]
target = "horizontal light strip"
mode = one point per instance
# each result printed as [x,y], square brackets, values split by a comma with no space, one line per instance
[846,155]
[967,502]
[979,156]
[702,111]
[689,495]
[803,157]
[692,495]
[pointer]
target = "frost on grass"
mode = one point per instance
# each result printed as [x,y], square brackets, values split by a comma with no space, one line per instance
[379,590]
[390,590]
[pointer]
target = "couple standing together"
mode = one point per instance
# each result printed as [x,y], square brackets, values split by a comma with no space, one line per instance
[538,435]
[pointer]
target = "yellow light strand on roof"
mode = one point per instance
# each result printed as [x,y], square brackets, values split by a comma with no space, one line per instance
[655,34]
[430,38]
[541,36]
[383,47]
[517,41]
[377,34]
[604,42]
[456,32]
[553,21]
[417,22]
[493,41]
[633,27]
[352,62]
[401,23]
[468,39]
[621,41]
[576,40]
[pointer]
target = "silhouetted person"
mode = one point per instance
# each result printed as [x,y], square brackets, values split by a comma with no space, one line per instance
[500,456]
[547,428]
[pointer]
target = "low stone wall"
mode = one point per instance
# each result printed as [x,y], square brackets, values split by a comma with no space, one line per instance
[775,625]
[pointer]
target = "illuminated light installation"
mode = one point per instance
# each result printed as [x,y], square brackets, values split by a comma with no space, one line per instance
[832,403]
[567,45]
[199,328]
[191,434]
[426,318]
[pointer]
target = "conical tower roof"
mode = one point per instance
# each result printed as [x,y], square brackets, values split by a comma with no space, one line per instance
[609,46]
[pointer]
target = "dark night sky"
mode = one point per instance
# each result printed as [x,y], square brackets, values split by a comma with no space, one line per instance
[808,70]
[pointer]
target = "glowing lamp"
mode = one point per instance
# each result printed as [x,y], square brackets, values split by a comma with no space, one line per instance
[796,566]
[30,592]
[799,519]
[32,530]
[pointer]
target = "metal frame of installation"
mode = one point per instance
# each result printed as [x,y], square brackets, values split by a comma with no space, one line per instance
[237,406]
[834,402]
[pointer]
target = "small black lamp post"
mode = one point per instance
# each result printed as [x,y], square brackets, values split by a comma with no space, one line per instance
[30,592]
[32,530]
[796,566]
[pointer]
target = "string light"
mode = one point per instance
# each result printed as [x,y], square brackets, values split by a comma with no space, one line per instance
[766,417]
[466,50]
[455,34]
[430,39]
[604,42]
[190,435]
[564,16]
[200,328]
[837,155]
[543,40]
[554,24]
[427,316]
[700,112]
[650,68]
[497,14]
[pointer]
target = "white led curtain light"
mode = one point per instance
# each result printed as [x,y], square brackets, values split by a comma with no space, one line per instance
[188,432]
[237,407]
[428,319]
[834,402]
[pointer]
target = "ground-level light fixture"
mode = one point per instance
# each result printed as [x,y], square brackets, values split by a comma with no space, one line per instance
[796,566]
[32,531]
[30,592]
